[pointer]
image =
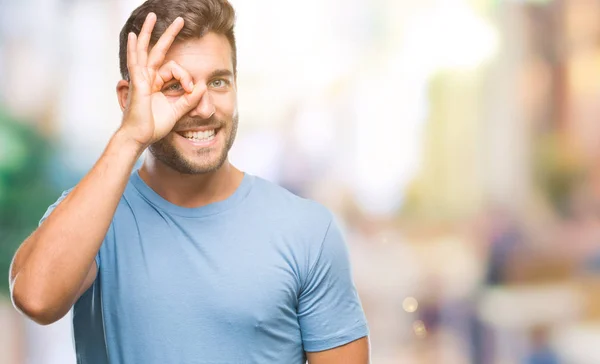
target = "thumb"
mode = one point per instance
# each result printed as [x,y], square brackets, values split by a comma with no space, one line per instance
[188,101]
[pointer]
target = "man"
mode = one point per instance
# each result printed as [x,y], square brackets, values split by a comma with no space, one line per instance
[188,259]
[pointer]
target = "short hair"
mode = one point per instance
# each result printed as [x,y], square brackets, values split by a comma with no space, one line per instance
[200,17]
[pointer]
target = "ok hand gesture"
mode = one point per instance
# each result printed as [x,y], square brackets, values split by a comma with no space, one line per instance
[149,115]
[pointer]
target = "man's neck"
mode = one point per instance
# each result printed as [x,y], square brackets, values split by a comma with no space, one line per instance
[191,190]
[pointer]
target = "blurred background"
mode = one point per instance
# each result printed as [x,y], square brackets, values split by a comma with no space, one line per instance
[456,140]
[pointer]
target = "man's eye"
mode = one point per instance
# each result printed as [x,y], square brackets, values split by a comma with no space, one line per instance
[173,87]
[219,83]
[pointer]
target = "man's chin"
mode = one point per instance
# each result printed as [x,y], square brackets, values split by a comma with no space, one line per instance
[187,161]
[196,165]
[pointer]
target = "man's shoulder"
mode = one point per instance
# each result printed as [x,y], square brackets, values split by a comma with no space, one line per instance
[284,201]
[305,219]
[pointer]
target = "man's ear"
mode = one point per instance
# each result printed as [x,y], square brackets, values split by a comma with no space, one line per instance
[123,93]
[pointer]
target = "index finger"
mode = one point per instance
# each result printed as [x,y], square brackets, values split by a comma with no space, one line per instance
[159,51]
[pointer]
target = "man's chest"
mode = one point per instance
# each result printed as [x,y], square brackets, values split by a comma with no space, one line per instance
[212,276]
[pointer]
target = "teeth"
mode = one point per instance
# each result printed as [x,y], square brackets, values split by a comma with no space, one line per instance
[199,135]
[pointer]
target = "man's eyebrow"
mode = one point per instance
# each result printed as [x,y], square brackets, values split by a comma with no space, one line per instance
[221,73]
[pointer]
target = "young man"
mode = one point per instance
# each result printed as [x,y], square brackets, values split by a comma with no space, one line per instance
[188,259]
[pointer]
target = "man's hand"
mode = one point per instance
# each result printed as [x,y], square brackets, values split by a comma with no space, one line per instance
[149,115]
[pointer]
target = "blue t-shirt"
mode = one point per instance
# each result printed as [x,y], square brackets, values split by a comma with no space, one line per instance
[260,277]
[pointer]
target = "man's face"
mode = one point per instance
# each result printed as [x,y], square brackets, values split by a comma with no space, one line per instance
[200,141]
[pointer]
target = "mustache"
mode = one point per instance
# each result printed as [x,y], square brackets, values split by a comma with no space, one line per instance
[192,122]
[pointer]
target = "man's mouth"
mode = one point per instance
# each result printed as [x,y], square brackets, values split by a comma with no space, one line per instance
[199,136]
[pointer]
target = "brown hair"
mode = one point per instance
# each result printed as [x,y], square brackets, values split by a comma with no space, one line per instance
[200,17]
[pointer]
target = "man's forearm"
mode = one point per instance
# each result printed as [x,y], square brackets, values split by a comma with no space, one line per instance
[51,265]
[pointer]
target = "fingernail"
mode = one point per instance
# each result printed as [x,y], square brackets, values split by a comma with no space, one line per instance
[191,85]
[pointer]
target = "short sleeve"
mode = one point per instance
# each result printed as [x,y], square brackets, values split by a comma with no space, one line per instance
[329,309]
[53,206]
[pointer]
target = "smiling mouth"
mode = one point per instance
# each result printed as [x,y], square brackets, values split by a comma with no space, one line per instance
[199,136]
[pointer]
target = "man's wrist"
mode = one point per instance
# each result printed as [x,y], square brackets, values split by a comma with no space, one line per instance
[124,143]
